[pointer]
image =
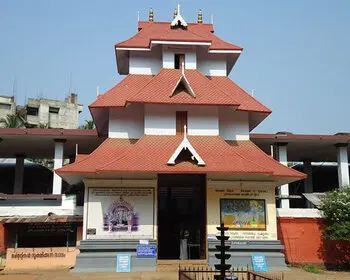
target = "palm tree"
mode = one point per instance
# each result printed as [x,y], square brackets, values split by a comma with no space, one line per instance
[89,124]
[13,121]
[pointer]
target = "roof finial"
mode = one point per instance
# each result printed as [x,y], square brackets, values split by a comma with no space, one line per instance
[200,16]
[178,8]
[185,131]
[212,19]
[150,16]
[138,16]
[175,13]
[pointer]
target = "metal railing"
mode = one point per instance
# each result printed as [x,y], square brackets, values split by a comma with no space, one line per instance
[240,273]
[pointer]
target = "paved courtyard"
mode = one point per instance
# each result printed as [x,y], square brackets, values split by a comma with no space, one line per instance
[294,274]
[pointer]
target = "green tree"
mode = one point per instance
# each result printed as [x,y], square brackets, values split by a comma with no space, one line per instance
[13,121]
[336,211]
[89,124]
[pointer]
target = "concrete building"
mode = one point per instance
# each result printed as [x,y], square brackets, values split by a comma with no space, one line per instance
[53,113]
[7,106]
[45,112]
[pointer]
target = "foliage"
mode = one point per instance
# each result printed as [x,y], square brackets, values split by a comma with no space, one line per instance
[311,268]
[43,125]
[13,121]
[89,124]
[336,210]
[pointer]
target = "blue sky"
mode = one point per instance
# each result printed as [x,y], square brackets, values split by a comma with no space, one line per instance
[296,54]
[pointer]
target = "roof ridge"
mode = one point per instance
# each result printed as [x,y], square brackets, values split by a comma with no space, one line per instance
[256,164]
[85,158]
[252,97]
[139,91]
[276,161]
[216,86]
[122,155]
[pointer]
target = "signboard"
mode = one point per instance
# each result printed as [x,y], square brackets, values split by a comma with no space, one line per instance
[123,263]
[121,213]
[243,214]
[146,251]
[259,263]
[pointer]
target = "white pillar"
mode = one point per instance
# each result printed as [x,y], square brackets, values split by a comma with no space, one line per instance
[85,215]
[308,184]
[58,163]
[19,172]
[282,158]
[343,165]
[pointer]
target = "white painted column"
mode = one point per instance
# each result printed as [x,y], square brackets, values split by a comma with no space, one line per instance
[343,165]
[58,163]
[19,172]
[308,184]
[85,216]
[282,158]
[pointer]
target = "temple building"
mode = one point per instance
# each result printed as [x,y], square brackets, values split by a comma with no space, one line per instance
[177,159]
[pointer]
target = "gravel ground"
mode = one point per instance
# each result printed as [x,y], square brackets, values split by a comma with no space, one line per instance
[294,274]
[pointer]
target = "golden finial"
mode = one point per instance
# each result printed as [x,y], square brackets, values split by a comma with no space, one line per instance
[150,17]
[175,13]
[200,16]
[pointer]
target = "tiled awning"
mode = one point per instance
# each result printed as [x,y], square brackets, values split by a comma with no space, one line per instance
[41,219]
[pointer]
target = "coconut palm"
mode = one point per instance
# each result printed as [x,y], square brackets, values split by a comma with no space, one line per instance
[13,121]
[89,124]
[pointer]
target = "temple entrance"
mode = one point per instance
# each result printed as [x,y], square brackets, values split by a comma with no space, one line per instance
[181,217]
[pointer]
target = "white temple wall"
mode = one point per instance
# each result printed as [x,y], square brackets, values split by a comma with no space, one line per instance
[161,119]
[211,64]
[145,62]
[168,57]
[233,125]
[126,122]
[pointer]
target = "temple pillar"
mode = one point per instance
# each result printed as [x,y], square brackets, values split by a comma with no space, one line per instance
[282,158]
[343,164]
[58,163]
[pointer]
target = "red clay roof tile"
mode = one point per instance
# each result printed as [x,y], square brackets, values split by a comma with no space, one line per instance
[158,89]
[162,31]
[152,152]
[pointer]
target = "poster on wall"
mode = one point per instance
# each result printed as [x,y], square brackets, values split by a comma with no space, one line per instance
[120,213]
[243,214]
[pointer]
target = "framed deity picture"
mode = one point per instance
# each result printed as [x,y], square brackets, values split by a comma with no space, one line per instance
[243,214]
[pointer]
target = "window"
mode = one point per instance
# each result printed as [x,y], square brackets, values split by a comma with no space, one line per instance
[178,60]
[31,111]
[54,110]
[181,121]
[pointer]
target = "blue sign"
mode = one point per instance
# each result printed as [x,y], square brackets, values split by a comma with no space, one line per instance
[123,263]
[146,251]
[259,263]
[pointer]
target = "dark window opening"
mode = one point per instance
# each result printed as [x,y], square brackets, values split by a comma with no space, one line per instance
[179,59]
[181,121]
[54,110]
[31,111]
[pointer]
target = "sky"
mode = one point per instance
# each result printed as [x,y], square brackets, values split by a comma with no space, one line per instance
[296,55]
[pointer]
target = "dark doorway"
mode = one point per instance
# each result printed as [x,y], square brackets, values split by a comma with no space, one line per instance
[181,216]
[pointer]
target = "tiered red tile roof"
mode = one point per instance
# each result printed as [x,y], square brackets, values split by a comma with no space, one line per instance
[152,152]
[158,89]
[162,31]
